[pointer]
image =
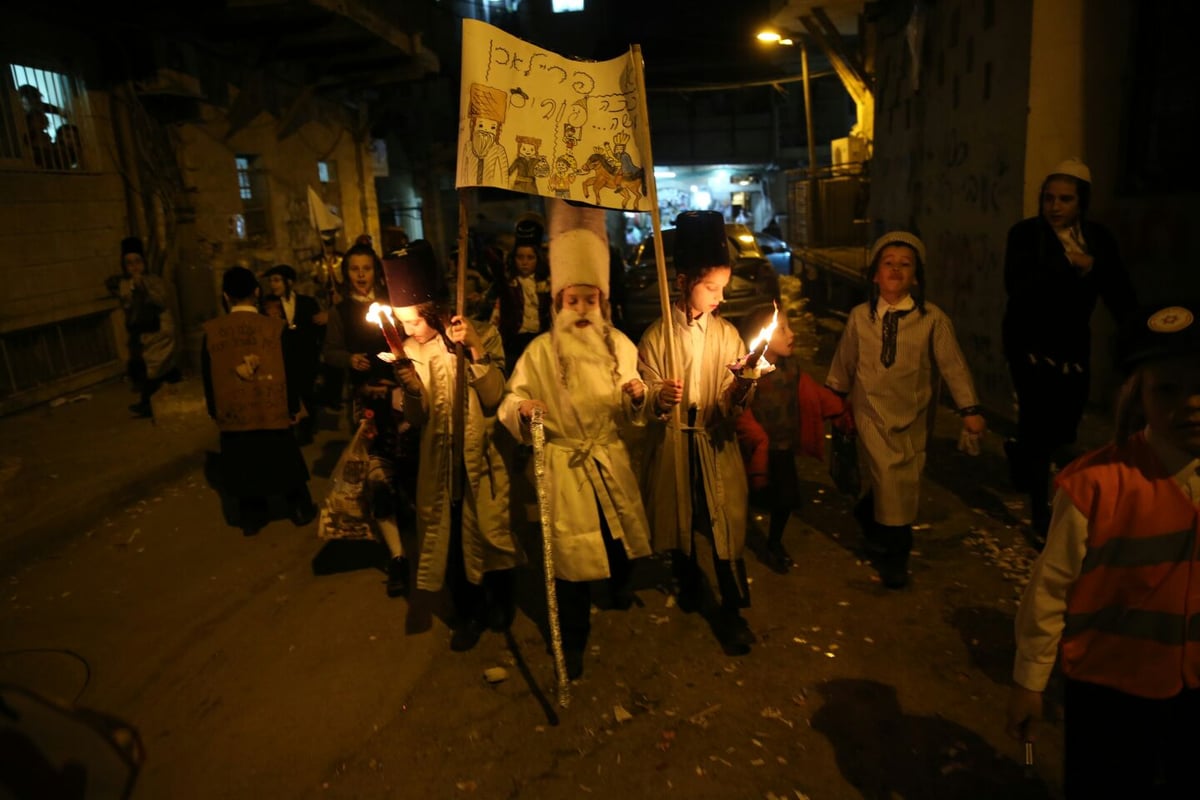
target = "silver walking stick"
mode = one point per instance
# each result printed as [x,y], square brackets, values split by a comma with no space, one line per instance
[538,430]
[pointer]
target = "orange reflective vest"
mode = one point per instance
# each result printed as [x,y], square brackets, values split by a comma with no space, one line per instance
[1133,615]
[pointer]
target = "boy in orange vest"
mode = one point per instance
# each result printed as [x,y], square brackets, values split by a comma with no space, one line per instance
[1118,584]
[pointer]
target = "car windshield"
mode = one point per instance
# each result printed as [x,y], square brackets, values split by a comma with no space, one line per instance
[741,241]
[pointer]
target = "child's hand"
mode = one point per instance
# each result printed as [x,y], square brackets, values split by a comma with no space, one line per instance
[635,389]
[670,394]
[1024,714]
[974,424]
[359,362]
[526,409]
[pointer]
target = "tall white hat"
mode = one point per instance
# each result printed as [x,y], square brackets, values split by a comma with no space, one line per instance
[578,246]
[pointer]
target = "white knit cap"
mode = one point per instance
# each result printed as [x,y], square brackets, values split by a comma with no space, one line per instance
[578,246]
[1074,168]
[898,237]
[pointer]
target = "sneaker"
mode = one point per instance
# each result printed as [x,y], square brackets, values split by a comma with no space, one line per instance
[397,577]
[466,635]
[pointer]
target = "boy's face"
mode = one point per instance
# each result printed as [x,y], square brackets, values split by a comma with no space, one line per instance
[525,150]
[1060,203]
[361,272]
[584,301]
[525,260]
[1171,399]
[414,324]
[709,292]
[783,340]
[278,285]
[897,273]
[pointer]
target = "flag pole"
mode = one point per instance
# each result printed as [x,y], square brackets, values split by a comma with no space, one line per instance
[660,261]
[664,289]
[458,409]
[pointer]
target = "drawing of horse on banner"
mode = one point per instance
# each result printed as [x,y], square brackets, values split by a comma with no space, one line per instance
[605,176]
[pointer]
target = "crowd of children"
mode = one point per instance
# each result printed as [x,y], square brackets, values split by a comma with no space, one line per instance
[659,447]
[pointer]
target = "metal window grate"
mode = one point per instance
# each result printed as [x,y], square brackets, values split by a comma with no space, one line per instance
[55,114]
[38,356]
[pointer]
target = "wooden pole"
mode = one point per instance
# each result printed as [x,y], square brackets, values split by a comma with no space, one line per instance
[660,260]
[458,411]
[682,487]
[811,238]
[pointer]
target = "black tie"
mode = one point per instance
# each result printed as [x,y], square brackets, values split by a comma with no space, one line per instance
[891,324]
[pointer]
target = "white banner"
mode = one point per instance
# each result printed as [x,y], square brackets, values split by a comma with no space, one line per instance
[536,122]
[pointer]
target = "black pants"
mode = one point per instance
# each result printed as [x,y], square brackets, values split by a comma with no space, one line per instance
[575,597]
[1119,745]
[782,487]
[732,585]
[471,601]
[254,509]
[1050,403]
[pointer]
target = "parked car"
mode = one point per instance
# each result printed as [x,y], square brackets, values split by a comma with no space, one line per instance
[777,252]
[753,282]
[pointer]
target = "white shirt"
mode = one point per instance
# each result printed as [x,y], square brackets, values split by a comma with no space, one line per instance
[289,308]
[882,306]
[691,392]
[530,323]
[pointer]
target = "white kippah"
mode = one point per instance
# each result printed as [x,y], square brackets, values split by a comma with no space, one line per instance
[1074,168]
[898,237]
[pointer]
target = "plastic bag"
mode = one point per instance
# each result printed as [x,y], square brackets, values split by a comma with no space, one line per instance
[344,513]
[843,462]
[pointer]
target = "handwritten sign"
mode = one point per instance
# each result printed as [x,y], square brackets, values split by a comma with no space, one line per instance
[536,122]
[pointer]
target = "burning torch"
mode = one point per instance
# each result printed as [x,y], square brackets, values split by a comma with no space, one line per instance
[754,364]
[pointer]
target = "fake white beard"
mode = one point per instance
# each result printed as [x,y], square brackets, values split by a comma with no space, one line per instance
[585,344]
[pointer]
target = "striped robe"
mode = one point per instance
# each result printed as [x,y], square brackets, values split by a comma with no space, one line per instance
[892,404]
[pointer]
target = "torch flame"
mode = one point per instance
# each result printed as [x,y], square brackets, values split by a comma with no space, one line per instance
[763,339]
[374,312]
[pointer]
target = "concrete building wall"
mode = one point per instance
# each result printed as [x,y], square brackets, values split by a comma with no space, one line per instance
[960,169]
[949,162]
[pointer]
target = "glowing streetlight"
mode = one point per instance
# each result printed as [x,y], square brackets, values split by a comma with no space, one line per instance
[769,36]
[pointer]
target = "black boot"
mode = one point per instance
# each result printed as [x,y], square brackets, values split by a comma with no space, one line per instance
[733,632]
[689,593]
[893,564]
[397,577]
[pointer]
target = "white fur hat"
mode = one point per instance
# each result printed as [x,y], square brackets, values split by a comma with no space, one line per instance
[578,246]
[1074,168]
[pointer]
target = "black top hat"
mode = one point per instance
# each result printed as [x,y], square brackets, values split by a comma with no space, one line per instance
[1160,331]
[528,232]
[283,270]
[700,241]
[412,275]
[132,244]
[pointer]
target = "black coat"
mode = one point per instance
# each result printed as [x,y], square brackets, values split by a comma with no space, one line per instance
[1050,304]
[303,338]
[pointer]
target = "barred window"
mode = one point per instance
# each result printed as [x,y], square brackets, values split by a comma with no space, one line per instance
[44,119]
[254,222]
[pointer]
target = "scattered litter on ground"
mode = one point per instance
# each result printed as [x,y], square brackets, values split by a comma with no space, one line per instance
[620,714]
[495,674]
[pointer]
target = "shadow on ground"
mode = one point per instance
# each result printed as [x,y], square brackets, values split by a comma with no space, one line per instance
[885,753]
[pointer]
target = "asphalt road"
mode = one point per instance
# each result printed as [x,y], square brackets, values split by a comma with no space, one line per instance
[275,667]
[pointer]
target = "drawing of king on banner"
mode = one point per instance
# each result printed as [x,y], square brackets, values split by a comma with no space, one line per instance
[483,160]
[616,154]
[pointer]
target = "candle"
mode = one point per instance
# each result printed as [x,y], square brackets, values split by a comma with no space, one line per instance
[755,364]
[382,316]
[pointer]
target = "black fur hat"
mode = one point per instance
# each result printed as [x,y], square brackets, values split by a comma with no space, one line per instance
[413,277]
[700,242]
